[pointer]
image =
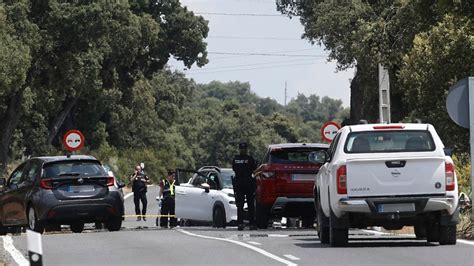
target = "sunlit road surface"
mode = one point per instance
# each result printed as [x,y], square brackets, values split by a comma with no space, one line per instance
[142,243]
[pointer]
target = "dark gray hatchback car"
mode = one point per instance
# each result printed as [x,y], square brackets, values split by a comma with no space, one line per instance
[51,191]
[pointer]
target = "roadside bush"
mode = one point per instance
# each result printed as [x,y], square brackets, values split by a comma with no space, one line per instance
[463,171]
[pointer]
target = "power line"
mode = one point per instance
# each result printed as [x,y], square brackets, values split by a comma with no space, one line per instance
[239,14]
[247,69]
[268,54]
[254,38]
[240,56]
[256,64]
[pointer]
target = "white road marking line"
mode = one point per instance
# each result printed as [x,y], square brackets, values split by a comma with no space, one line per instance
[373,232]
[15,253]
[291,257]
[259,250]
[254,243]
[128,195]
[465,241]
[276,235]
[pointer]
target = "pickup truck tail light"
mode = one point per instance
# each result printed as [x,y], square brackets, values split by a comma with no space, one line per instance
[450,179]
[268,174]
[341,179]
[46,183]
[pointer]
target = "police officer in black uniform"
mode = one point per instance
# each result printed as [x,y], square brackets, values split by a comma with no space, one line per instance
[167,193]
[244,185]
[139,188]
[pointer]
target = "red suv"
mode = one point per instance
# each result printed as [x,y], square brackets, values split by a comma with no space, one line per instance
[285,183]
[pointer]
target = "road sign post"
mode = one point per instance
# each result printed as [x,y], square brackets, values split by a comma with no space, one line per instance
[73,140]
[329,130]
[460,106]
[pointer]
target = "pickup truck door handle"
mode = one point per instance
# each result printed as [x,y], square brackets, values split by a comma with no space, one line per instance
[395,164]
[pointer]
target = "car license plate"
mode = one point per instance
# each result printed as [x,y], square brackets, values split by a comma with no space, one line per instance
[303,177]
[399,207]
[77,189]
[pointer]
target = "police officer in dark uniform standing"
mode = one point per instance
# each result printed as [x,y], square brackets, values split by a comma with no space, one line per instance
[167,193]
[139,188]
[244,185]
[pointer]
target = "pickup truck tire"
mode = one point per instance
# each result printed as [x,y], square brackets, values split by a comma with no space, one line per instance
[338,237]
[447,234]
[262,215]
[323,222]
[218,218]
[420,232]
[432,233]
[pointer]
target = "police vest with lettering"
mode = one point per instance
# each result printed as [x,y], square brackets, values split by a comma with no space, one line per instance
[168,188]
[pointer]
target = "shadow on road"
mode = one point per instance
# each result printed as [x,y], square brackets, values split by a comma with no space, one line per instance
[370,243]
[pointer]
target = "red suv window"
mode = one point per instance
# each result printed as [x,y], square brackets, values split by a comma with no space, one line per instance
[288,156]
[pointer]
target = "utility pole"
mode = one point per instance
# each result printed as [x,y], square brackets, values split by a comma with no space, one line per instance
[286,92]
[384,95]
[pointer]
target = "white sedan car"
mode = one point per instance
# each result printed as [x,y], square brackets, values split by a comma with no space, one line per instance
[208,196]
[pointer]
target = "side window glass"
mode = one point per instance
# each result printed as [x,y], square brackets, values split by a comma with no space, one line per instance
[16,175]
[333,146]
[213,180]
[32,173]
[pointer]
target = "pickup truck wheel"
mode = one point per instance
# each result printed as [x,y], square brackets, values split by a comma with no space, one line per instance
[420,232]
[262,214]
[432,233]
[338,237]
[323,229]
[218,218]
[77,227]
[447,234]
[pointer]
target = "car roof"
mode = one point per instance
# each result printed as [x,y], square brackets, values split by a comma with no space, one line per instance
[298,145]
[48,159]
[393,126]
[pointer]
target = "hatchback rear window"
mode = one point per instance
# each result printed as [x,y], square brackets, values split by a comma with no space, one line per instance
[389,141]
[291,155]
[76,168]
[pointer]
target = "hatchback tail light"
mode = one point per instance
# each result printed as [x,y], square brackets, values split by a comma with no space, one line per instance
[46,183]
[450,178]
[341,180]
[110,181]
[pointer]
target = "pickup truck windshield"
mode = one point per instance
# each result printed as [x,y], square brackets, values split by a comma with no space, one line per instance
[389,141]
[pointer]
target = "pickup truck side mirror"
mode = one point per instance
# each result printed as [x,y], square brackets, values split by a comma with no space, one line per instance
[206,187]
[448,152]
[319,157]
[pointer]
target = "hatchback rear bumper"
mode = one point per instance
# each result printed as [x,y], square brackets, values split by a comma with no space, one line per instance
[293,207]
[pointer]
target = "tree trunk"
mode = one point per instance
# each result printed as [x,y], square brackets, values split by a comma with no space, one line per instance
[8,124]
[68,104]
[357,96]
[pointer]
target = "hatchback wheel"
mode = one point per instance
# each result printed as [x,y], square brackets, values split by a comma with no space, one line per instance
[77,227]
[114,223]
[33,223]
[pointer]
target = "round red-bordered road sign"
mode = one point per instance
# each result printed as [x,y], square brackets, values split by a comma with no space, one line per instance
[329,130]
[73,140]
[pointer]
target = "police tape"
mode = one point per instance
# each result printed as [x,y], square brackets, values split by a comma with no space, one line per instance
[148,215]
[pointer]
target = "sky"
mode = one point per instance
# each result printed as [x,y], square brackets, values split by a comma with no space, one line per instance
[302,66]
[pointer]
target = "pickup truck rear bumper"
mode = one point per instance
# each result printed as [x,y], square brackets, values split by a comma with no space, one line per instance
[293,207]
[421,204]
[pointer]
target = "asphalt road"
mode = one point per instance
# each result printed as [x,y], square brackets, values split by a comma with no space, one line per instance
[140,243]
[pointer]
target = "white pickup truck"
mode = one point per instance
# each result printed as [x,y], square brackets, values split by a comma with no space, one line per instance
[389,175]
